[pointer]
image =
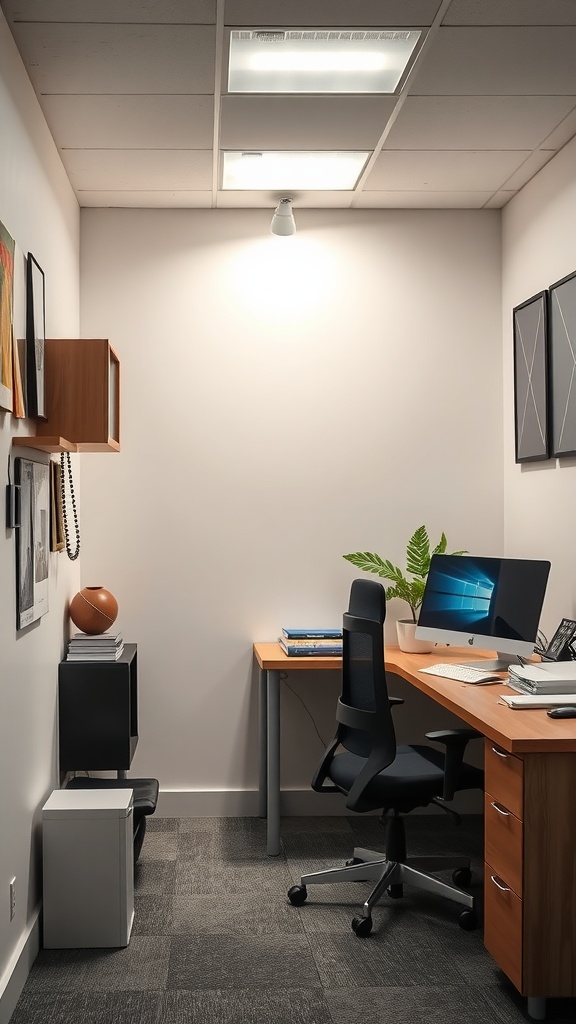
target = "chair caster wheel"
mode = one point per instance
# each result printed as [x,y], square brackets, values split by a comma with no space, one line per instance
[462,877]
[297,895]
[395,892]
[362,926]
[468,920]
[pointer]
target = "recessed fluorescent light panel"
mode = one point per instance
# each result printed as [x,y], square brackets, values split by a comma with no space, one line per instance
[310,61]
[292,172]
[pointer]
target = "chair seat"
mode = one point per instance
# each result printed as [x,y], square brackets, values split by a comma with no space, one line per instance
[415,776]
[145,790]
[145,800]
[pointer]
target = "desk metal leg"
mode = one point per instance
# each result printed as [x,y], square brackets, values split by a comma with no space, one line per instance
[273,763]
[263,744]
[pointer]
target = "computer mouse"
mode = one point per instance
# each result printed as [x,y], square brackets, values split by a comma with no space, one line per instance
[567,712]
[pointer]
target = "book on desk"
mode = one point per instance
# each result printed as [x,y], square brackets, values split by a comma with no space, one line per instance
[307,646]
[311,634]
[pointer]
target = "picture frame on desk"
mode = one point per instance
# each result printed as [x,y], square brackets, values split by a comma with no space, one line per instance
[530,328]
[562,356]
[35,338]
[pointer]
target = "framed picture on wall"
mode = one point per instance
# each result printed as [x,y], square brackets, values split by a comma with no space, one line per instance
[35,337]
[6,299]
[530,324]
[57,540]
[32,541]
[562,344]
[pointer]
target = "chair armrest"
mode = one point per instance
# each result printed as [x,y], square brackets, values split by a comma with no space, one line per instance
[395,700]
[448,736]
[455,741]
[321,772]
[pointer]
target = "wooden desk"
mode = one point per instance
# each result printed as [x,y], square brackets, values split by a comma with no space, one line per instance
[530,835]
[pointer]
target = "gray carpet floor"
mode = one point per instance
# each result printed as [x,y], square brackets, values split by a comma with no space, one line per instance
[216,942]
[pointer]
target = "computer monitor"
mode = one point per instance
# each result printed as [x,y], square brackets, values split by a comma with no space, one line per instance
[491,603]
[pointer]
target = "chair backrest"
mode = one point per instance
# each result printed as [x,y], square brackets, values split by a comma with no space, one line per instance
[363,672]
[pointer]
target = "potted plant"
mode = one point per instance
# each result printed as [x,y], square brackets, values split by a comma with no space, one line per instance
[418,555]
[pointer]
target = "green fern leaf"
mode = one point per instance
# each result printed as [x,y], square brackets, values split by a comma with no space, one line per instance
[418,553]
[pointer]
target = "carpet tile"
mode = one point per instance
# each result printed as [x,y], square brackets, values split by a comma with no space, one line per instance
[215,940]
[222,961]
[247,1006]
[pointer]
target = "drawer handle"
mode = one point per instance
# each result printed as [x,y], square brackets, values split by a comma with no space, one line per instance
[500,809]
[499,752]
[500,885]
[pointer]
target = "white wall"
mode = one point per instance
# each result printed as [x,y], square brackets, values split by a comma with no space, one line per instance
[40,211]
[285,400]
[539,248]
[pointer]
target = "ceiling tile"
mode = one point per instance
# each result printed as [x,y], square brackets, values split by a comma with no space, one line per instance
[422,200]
[182,12]
[129,122]
[162,199]
[432,171]
[477,122]
[498,62]
[332,13]
[97,169]
[511,12]
[118,58]
[499,199]
[528,169]
[563,133]
[303,122]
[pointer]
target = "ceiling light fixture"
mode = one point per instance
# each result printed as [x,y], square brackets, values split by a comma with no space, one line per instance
[320,61]
[283,222]
[291,171]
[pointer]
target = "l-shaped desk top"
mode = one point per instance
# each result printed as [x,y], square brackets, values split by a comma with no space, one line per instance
[515,731]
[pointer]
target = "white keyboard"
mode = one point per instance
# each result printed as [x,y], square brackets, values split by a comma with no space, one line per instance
[462,673]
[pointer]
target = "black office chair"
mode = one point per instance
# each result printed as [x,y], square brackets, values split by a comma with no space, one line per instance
[364,762]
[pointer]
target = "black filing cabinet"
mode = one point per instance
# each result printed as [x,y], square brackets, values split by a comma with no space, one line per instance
[98,713]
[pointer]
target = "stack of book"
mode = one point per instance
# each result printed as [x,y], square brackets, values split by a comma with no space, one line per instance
[546,678]
[95,647]
[309,643]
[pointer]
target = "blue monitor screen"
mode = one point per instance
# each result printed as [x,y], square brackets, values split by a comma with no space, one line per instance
[500,598]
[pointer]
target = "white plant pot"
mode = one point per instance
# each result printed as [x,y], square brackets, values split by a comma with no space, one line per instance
[405,629]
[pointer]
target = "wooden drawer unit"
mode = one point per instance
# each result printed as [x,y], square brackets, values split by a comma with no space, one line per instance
[504,778]
[504,839]
[503,925]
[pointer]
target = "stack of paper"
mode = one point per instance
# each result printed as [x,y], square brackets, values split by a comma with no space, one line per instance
[556,678]
[526,701]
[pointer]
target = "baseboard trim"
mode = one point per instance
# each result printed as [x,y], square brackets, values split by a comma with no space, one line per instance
[244,803]
[14,978]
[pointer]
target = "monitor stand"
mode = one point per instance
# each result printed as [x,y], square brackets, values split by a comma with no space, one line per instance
[499,664]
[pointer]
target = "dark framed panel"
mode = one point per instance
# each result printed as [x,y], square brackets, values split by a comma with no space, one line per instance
[35,338]
[562,347]
[32,541]
[530,323]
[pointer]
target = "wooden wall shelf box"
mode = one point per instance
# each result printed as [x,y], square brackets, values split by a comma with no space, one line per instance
[44,444]
[82,379]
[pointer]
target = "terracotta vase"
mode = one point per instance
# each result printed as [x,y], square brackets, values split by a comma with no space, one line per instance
[93,610]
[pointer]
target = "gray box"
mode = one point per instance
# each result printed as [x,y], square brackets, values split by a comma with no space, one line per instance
[88,868]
